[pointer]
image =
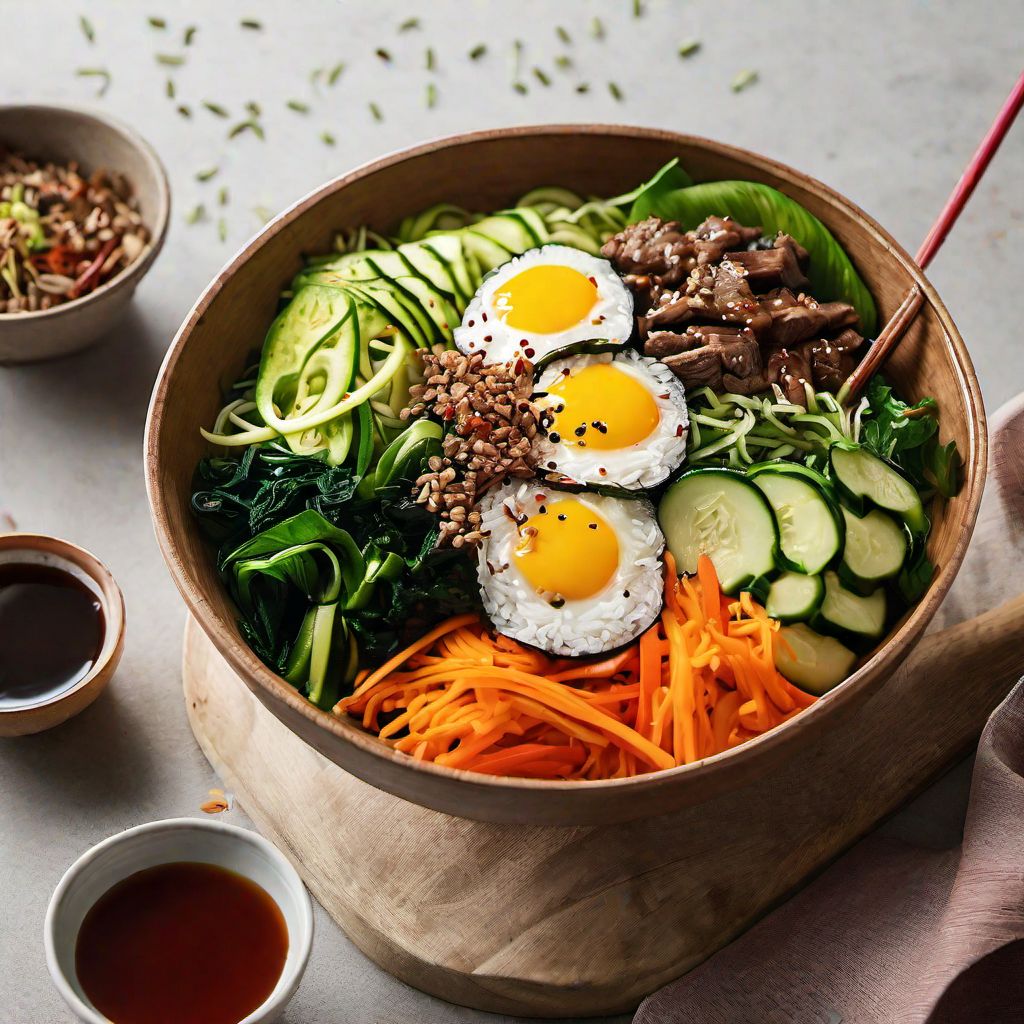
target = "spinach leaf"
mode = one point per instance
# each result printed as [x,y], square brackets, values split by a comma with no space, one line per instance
[908,435]
[832,275]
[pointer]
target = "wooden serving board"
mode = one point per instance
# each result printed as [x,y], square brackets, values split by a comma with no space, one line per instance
[588,920]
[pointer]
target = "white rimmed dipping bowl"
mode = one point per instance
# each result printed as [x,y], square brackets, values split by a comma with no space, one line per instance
[162,842]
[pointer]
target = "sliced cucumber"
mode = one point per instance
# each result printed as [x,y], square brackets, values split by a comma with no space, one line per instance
[507,231]
[433,303]
[489,253]
[722,514]
[532,221]
[794,597]
[398,308]
[318,319]
[448,248]
[847,612]
[866,479]
[810,527]
[875,549]
[422,260]
[811,661]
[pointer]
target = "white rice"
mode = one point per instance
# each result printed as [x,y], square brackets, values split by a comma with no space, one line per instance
[616,615]
[637,466]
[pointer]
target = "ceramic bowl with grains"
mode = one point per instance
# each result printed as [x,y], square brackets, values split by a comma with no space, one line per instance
[84,205]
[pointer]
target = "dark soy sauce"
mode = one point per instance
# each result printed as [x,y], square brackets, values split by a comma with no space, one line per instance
[181,943]
[51,632]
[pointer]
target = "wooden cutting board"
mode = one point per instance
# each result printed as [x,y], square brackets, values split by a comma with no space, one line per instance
[588,920]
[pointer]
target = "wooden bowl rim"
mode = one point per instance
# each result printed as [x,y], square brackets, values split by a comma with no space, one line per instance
[138,268]
[245,663]
[114,620]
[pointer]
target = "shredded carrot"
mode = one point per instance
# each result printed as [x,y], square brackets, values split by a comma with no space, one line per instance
[698,682]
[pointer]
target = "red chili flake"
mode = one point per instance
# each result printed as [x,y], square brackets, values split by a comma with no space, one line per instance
[483,316]
[541,497]
[603,472]
[593,281]
[469,323]
[488,337]
[679,430]
[519,368]
[449,412]
[529,353]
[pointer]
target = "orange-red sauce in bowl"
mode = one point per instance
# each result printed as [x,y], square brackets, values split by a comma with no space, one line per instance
[181,942]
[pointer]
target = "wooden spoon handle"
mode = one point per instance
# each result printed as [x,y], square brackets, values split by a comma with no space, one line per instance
[990,643]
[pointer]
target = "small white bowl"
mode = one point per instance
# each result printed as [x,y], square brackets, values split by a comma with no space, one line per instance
[161,842]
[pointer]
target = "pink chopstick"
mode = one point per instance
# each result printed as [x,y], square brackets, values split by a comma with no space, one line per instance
[972,175]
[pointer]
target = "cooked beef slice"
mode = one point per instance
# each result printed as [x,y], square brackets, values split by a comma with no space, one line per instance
[697,369]
[793,324]
[770,268]
[719,235]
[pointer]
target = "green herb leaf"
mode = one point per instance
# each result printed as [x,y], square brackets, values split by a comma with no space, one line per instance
[263,213]
[298,106]
[563,62]
[315,75]
[563,34]
[689,47]
[429,59]
[541,76]
[169,89]
[383,54]
[431,95]
[223,196]
[327,138]
[196,214]
[616,92]
[87,30]
[222,229]
[375,112]
[644,198]
[157,23]
[184,110]
[171,60]
[335,73]
[520,87]
[253,109]
[583,87]
[832,275]
[207,174]
[477,52]
[638,8]
[409,24]
[190,34]
[215,108]
[597,28]
[251,23]
[101,73]
[743,80]
[247,126]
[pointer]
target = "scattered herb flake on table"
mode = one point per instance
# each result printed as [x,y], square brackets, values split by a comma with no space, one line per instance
[744,79]
[87,30]
[477,52]
[689,47]
[101,73]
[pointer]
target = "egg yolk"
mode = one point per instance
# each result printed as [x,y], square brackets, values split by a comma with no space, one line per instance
[568,550]
[545,299]
[602,407]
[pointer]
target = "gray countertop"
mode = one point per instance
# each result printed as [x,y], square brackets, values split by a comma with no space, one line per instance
[884,100]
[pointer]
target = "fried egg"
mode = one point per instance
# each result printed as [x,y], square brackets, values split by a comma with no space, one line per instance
[544,302]
[572,574]
[613,419]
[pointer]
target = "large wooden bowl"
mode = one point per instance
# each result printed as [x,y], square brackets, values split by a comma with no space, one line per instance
[486,170]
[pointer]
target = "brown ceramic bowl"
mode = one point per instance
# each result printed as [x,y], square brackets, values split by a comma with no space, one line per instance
[39,549]
[487,170]
[94,141]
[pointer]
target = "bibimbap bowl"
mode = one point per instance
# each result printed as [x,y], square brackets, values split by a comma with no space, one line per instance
[488,171]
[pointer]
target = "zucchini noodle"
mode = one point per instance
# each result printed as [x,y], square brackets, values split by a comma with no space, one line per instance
[739,431]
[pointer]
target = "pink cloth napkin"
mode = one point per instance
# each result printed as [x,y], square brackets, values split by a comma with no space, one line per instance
[891,933]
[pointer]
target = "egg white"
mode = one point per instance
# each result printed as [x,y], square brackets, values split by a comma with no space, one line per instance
[644,464]
[609,321]
[617,614]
